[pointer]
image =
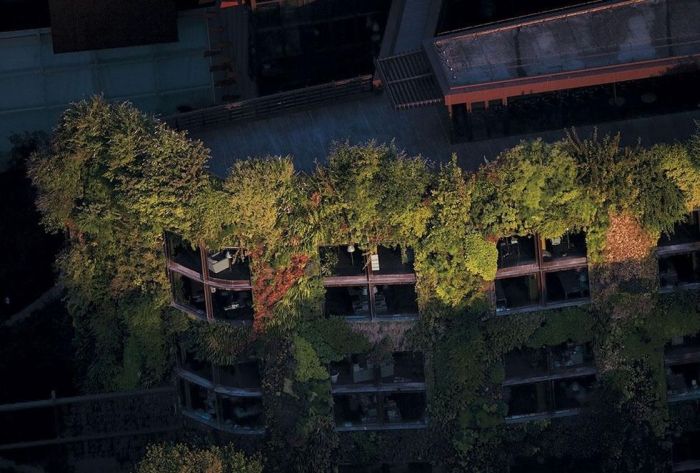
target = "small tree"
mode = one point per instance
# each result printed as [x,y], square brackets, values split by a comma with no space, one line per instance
[180,458]
[115,180]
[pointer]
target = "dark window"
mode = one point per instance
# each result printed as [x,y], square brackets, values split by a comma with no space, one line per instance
[537,271]
[245,375]
[685,447]
[241,412]
[531,398]
[687,231]
[548,396]
[679,269]
[198,400]
[683,378]
[571,245]
[394,260]
[183,253]
[570,355]
[683,347]
[354,369]
[356,409]
[379,408]
[516,251]
[406,367]
[191,363]
[567,285]
[404,407]
[526,362]
[228,264]
[339,261]
[402,367]
[189,292]
[353,280]
[519,291]
[232,305]
[572,393]
[395,300]
[556,465]
[387,468]
[534,362]
[348,301]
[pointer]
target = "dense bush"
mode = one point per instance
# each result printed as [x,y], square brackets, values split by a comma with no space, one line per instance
[180,458]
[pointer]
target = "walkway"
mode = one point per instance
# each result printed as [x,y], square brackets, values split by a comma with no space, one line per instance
[308,135]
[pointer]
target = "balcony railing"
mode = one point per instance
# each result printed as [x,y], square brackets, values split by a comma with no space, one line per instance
[271,105]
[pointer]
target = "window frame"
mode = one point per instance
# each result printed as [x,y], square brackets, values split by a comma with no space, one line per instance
[665,250]
[202,276]
[679,355]
[382,390]
[371,279]
[185,383]
[550,376]
[539,269]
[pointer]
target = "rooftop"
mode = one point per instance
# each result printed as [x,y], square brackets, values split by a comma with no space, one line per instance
[82,25]
[590,37]
[156,78]
[308,135]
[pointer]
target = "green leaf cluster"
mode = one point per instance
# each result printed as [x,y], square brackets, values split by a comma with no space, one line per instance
[181,458]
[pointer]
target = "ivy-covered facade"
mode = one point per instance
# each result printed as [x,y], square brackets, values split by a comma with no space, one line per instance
[386,313]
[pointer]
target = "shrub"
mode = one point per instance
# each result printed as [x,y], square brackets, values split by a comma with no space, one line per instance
[180,458]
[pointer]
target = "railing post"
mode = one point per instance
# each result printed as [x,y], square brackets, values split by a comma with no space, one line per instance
[54,408]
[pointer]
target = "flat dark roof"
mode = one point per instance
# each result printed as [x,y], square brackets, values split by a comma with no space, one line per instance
[82,25]
[603,43]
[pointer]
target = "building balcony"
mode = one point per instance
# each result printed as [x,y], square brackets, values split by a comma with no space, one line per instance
[369,287]
[536,273]
[548,382]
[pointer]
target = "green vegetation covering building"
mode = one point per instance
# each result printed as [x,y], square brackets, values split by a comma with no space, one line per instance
[541,312]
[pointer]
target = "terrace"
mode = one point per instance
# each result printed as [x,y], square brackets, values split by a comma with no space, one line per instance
[379,394]
[536,272]
[185,256]
[361,286]
[548,382]
[201,369]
